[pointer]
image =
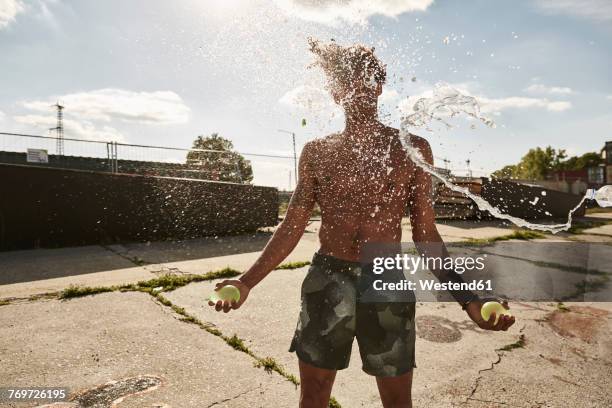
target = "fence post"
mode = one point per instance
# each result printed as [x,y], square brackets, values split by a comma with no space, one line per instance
[116,164]
[239,173]
[109,156]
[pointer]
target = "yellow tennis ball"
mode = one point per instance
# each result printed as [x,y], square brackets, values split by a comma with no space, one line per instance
[493,307]
[228,292]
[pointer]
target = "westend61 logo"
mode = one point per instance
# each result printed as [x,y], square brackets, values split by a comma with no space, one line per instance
[413,263]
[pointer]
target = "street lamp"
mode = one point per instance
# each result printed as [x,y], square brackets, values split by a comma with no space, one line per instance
[294,153]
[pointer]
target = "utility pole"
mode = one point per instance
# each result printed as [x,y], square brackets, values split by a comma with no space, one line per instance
[446,161]
[59,130]
[294,154]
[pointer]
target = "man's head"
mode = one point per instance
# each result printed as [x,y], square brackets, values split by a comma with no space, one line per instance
[354,75]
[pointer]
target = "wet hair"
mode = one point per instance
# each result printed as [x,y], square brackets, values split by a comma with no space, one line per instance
[343,65]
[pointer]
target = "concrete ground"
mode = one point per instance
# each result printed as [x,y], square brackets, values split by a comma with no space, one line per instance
[171,350]
[30,272]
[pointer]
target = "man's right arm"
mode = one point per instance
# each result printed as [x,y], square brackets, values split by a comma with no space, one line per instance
[286,236]
[291,229]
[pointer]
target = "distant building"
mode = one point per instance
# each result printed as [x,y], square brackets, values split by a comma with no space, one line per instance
[607,155]
[578,181]
[597,176]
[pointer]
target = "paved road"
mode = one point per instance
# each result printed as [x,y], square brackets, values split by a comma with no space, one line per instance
[155,356]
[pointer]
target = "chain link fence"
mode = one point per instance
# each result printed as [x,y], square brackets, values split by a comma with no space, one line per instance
[116,157]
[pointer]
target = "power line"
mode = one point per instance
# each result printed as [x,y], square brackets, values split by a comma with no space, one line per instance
[150,146]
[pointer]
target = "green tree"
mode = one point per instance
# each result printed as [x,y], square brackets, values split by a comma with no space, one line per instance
[225,164]
[590,159]
[534,165]
[506,172]
[538,162]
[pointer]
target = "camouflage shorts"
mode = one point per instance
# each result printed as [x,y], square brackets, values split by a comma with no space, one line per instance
[332,316]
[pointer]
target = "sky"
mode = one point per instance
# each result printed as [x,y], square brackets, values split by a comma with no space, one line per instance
[161,73]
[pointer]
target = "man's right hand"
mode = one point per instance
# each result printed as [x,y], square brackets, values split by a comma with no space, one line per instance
[226,305]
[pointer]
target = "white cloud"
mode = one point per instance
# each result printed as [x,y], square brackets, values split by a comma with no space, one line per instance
[72,128]
[159,107]
[8,11]
[2,116]
[351,11]
[599,10]
[308,99]
[609,97]
[495,106]
[554,90]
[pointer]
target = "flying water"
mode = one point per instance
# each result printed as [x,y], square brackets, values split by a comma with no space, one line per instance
[449,102]
[445,102]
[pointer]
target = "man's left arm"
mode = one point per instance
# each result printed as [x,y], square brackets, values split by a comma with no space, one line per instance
[429,243]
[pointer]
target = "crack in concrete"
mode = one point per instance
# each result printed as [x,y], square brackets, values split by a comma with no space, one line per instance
[232,398]
[165,310]
[477,381]
[500,353]
[496,402]
[154,268]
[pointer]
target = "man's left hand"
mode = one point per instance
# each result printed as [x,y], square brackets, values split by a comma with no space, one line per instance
[503,323]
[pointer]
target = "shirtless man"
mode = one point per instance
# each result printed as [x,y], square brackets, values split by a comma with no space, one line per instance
[362,181]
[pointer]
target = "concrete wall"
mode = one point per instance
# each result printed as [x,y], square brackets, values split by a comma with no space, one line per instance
[528,202]
[49,207]
[577,187]
[148,168]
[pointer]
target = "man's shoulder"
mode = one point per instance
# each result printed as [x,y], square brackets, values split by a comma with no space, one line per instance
[422,145]
[321,144]
[417,141]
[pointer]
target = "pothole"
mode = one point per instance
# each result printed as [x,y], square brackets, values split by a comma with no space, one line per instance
[109,395]
[437,329]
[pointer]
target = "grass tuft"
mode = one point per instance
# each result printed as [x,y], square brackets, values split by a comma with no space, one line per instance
[226,272]
[74,291]
[580,226]
[523,235]
[293,265]
[214,331]
[561,307]
[170,282]
[333,403]
[293,379]
[520,343]
[237,344]
[268,364]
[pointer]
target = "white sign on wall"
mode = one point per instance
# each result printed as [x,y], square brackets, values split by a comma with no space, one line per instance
[37,156]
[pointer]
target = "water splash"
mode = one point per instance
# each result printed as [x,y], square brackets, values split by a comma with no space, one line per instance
[447,101]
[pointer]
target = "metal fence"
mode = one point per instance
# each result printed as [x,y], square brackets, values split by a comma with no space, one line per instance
[116,157]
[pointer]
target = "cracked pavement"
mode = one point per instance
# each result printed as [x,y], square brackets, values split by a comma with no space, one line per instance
[83,343]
